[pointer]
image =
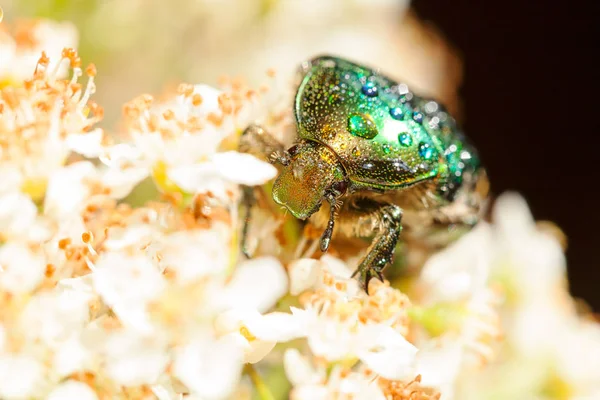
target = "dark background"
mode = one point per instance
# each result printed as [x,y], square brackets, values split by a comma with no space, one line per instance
[531,93]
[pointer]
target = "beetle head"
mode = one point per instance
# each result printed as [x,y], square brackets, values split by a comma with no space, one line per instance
[312,174]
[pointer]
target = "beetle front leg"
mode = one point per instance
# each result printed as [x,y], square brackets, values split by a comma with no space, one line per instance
[381,251]
[257,141]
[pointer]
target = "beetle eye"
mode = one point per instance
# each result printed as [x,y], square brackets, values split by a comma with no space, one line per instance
[292,151]
[339,188]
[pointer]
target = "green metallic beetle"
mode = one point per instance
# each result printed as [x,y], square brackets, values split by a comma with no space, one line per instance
[382,157]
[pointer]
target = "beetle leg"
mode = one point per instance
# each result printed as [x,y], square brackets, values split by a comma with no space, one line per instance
[257,141]
[248,201]
[381,251]
[326,236]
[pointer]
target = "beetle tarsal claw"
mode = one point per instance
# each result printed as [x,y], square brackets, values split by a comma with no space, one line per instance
[364,275]
[326,236]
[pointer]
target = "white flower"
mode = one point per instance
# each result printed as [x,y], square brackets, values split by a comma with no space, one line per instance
[197,253]
[257,283]
[304,274]
[132,359]
[229,167]
[67,191]
[259,333]
[52,316]
[210,368]
[578,358]
[311,384]
[20,57]
[45,121]
[532,268]
[343,323]
[457,308]
[21,269]
[177,143]
[461,269]
[72,390]
[380,347]
[70,187]
[127,283]
[21,376]
[2,338]
[17,214]
[70,356]
[520,242]
[440,363]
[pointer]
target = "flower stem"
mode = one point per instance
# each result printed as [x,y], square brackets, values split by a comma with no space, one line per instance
[262,389]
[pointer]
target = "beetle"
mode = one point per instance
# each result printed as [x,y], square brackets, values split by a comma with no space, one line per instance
[382,157]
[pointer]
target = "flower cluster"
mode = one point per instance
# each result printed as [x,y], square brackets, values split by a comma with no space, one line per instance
[121,274]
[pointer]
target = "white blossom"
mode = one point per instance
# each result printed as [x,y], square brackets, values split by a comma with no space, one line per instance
[20,376]
[127,284]
[21,269]
[209,367]
[72,390]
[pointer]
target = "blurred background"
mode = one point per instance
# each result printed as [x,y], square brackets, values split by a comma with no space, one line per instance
[521,76]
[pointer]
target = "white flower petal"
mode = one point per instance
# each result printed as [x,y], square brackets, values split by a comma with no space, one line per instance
[439,365]
[258,350]
[386,351]
[257,284]
[511,214]
[20,376]
[70,356]
[336,266]
[298,369]
[2,338]
[11,178]
[88,144]
[461,269]
[304,274]
[17,213]
[329,339]
[209,368]
[311,392]
[244,168]
[274,327]
[21,270]
[120,155]
[192,255]
[127,283]
[72,390]
[121,182]
[52,316]
[164,391]
[135,360]
[119,238]
[199,178]
[67,189]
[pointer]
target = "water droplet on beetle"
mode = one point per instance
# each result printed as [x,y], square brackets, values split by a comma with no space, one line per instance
[405,139]
[362,125]
[417,117]
[369,89]
[425,150]
[397,113]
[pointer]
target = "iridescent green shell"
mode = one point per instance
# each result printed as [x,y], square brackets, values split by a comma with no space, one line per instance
[385,136]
